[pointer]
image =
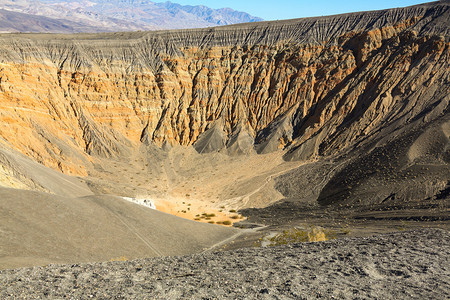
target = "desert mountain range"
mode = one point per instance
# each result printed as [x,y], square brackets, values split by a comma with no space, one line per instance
[339,122]
[109,16]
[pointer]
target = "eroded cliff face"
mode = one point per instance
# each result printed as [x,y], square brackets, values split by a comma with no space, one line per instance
[314,86]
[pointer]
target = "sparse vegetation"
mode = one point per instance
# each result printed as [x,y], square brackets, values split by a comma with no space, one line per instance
[295,235]
[121,258]
[205,215]
[345,230]
[227,223]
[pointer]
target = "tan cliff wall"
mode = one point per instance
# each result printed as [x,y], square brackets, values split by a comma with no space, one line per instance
[313,86]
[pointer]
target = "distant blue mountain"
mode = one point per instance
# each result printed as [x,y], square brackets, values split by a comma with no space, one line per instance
[115,15]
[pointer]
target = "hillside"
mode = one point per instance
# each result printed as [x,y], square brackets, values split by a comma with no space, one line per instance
[315,87]
[329,120]
[20,22]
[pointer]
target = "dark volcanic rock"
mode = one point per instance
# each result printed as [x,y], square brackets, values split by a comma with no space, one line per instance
[413,265]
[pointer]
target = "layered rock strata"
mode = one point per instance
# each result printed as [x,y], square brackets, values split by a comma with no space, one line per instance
[313,86]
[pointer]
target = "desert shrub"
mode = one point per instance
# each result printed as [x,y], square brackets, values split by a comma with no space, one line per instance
[235,217]
[295,235]
[211,222]
[226,223]
[122,258]
[208,215]
[345,230]
[232,211]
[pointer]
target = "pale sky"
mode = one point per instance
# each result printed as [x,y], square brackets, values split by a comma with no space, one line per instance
[289,9]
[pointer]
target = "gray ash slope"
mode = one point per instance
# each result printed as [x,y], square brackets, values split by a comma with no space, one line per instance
[408,265]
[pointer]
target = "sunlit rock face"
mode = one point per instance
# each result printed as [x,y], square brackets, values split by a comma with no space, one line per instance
[315,86]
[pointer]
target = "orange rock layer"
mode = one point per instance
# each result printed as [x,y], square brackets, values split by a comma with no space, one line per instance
[61,114]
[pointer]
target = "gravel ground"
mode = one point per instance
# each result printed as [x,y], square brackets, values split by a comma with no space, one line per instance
[406,265]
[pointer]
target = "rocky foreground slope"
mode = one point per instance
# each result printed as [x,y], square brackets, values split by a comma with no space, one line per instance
[408,265]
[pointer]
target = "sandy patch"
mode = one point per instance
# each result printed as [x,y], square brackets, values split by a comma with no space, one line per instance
[206,188]
[197,210]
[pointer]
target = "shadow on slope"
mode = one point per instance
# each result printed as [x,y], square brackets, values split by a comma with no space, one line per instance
[403,176]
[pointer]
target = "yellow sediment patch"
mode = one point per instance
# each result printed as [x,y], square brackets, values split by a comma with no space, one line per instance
[197,210]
